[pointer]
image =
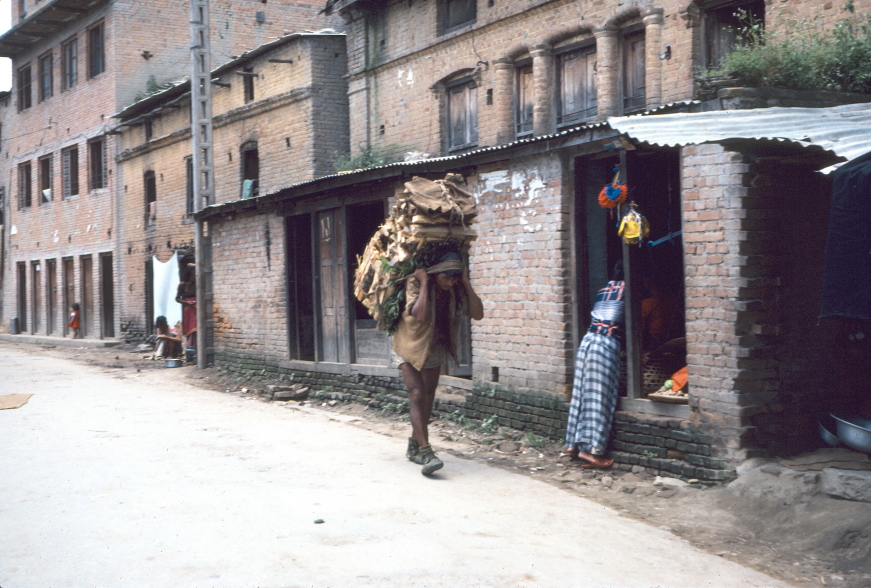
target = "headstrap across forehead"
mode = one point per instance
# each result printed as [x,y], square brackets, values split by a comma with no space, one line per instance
[445,266]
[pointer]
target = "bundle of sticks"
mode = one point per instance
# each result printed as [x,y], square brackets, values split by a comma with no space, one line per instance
[428,218]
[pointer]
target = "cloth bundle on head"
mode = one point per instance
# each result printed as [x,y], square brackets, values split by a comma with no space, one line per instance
[450,263]
[430,219]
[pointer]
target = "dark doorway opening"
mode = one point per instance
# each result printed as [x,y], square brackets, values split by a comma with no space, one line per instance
[300,288]
[149,296]
[22,297]
[69,269]
[87,269]
[371,346]
[36,292]
[51,296]
[107,296]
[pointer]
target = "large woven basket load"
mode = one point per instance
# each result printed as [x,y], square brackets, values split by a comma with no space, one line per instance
[429,218]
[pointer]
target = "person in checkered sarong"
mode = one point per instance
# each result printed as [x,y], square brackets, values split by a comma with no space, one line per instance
[597,376]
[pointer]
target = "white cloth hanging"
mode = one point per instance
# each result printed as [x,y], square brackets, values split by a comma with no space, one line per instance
[165,288]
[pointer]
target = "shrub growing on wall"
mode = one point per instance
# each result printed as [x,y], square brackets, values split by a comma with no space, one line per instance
[801,57]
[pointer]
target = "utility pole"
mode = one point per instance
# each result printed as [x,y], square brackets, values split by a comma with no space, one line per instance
[203,180]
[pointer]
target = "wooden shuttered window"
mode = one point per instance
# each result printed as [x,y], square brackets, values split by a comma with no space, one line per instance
[46,77]
[462,116]
[97,163]
[70,171]
[24,80]
[25,186]
[459,13]
[720,26]
[69,64]
[634,91]
[577,87]
[524,94]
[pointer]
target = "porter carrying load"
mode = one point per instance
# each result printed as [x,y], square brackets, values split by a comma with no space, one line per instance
[429,218]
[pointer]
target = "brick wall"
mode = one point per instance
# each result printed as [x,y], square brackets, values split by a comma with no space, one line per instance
[754,237]
[250,295]
[90,223]
[398,77]
[525,334]
[298,120]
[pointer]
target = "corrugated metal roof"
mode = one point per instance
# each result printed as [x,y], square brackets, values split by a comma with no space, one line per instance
[420,163]
[843,130]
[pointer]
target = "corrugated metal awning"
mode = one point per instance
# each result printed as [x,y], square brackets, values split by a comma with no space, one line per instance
[842,130]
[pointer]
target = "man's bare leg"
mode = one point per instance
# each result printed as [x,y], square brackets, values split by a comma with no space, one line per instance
[421,396]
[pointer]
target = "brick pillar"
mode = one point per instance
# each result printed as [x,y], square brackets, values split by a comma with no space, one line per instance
[652,48]
[542,84]
[606,76]
[503,100]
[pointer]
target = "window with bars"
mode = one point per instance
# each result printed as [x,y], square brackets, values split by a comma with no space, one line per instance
[45,179]
[524,105]
[24,82]
[634,91]
[576,83]
[25,194]
[69,64]
[70,171]
[96,50]
[46,77]
[97,164]
[462,115]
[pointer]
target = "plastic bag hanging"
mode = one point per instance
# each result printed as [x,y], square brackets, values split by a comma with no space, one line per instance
[634,228]
[613,194]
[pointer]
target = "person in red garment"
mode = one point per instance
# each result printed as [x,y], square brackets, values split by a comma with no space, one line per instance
[427,335]
[74,323]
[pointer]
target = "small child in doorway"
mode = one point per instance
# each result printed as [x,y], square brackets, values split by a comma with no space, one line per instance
[73,323]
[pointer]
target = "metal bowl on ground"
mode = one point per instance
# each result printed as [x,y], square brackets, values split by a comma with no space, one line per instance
[826,426]
[171,363]
[854,431]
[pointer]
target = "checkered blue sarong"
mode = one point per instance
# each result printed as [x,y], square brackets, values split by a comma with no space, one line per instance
[594,393]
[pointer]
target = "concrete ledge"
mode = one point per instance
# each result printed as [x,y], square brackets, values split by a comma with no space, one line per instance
[60,341]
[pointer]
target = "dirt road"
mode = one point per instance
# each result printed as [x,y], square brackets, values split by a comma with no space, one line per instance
[123,478]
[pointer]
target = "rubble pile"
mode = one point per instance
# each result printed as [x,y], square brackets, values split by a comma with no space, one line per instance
[429,218]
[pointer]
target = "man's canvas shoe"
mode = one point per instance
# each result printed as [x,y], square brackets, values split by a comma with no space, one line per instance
[429,460]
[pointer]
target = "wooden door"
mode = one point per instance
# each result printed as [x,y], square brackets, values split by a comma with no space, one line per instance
[87,319]
[51,297]
[332,287]
[69,290]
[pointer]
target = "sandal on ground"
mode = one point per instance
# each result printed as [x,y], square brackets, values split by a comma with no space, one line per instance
[599,464]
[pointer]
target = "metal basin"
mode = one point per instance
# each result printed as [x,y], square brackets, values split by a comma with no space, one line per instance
[854,431]
[172,363]
[826,426]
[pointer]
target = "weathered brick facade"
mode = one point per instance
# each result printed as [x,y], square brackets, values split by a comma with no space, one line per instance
[65,115]
[297,121]
[747,268]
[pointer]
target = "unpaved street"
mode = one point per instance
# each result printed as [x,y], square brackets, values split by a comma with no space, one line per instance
[137,479]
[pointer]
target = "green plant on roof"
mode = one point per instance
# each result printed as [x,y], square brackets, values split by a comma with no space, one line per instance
[800,56]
